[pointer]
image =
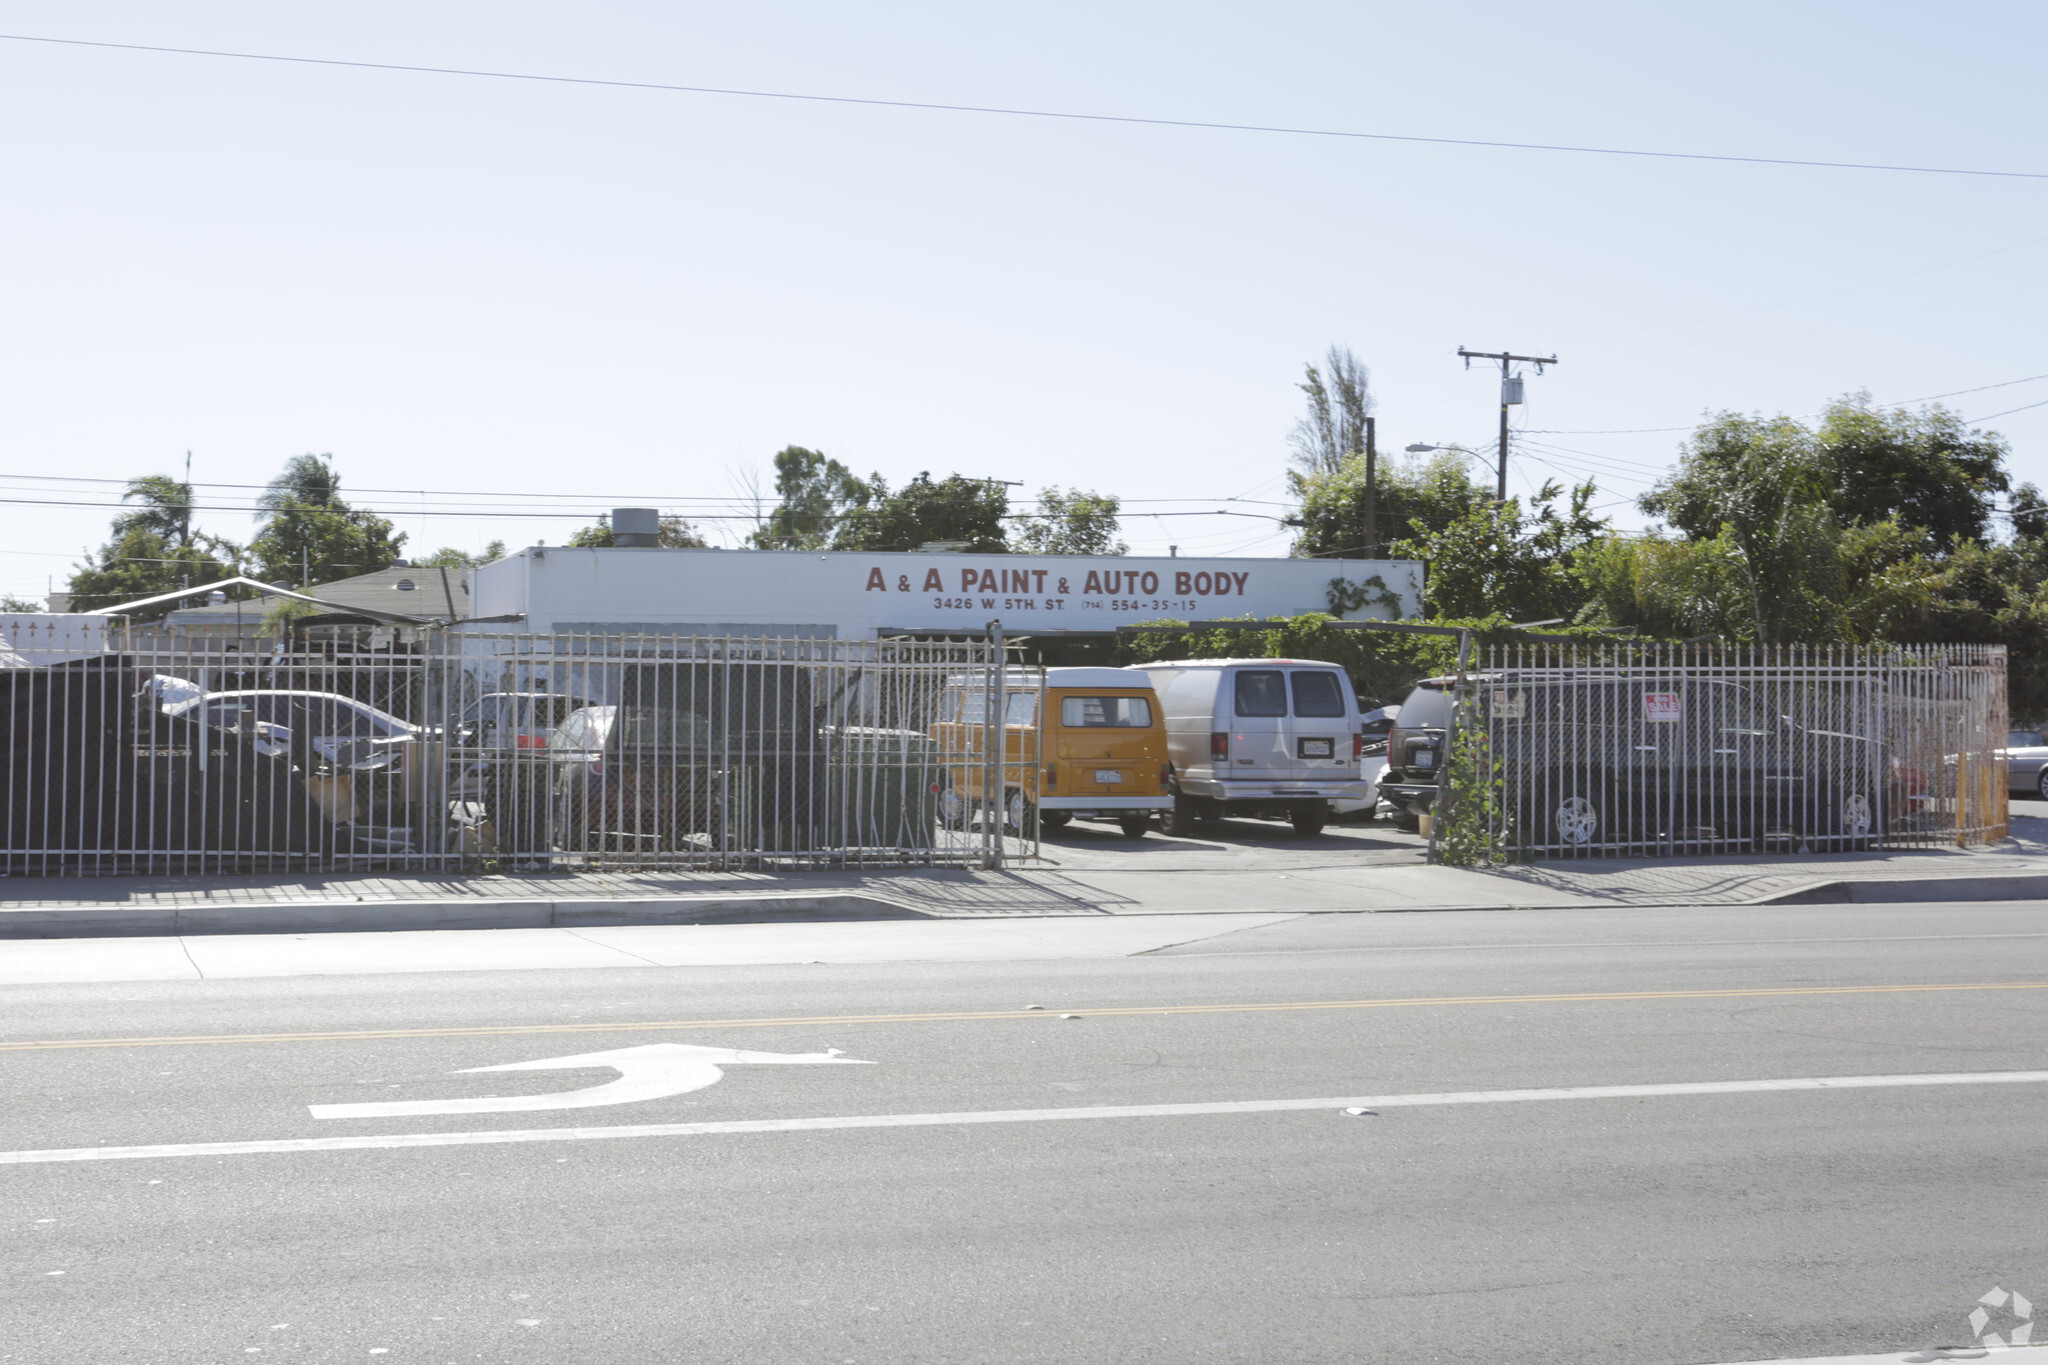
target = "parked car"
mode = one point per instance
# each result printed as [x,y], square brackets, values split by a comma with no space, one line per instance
[1093,747]
[341,730]
[374,771]
[2026,763]
[514,720]
[1374,727]
[635,778]
[1274,738]
[1603,761]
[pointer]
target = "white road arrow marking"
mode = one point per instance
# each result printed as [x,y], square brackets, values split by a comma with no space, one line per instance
[645,1073]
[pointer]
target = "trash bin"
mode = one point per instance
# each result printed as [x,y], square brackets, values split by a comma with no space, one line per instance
[881,788]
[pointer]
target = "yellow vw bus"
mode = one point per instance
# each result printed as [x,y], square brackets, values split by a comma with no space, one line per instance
[1092,746]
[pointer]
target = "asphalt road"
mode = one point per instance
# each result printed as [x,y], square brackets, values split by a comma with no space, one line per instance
[1739,1224]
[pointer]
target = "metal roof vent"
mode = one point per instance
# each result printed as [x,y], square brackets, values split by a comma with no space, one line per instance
[636,527]
[404,585]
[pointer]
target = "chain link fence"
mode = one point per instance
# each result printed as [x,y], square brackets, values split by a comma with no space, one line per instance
[1564,751]
[379,749]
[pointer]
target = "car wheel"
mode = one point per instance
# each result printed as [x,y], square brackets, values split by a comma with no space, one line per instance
[1852,819]
[1016,813]
[2041,784]
[1180,821]
[952,809]
[1308,821]
[1572,812]
[1134,825]
[1406,820]
[1055,819]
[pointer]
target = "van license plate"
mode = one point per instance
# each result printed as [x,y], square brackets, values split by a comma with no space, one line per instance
[1107,776]
[1318,748]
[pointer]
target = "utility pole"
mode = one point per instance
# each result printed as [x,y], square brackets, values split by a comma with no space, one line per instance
[1510,393]
[185,535]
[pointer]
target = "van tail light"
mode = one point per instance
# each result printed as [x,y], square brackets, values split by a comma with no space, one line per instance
[1052,775]
[1358,744]
[530,742]
[1219,744]
[1166,774]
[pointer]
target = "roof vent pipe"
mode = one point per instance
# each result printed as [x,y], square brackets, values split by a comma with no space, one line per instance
[636,527]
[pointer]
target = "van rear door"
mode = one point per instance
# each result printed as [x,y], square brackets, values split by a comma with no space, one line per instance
[1258,725]
[1320,737]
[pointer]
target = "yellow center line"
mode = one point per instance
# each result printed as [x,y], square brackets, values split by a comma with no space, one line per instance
[962,1016]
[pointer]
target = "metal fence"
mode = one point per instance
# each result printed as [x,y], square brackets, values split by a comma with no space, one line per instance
[1640,749]
[384,749]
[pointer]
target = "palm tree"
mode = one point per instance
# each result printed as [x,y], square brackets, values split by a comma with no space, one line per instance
[307,481]
[166,510]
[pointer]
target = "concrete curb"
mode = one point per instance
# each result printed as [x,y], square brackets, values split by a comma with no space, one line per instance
[374,916]
[1914,890]
[340,917]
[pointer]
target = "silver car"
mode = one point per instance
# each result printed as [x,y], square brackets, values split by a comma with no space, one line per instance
[2026,763]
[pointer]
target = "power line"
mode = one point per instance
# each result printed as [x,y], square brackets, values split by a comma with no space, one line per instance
[1027,113]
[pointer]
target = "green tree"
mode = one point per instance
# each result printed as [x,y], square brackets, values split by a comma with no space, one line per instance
[13,605]
[673,533]
[813,493]
[1333,430]
[165,509]
[1497,559]
[1923,469]
[1072,523]
[139,563]
[1765,487]
[1414,497]
[310,535]
[305,481]
[153,550]
[969,511]
[448,557]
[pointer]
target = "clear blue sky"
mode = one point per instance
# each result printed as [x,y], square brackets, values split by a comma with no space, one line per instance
[470,285]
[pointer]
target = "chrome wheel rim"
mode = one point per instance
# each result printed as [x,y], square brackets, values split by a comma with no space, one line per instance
[1013,810]
[1857,816]
[1577,820]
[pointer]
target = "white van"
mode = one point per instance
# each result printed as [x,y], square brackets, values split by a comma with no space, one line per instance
[1262,737]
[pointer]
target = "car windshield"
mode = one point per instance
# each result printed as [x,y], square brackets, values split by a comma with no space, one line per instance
[1262,692]
[2024,739]
[1318,694]
[1093,713]
[1427,708]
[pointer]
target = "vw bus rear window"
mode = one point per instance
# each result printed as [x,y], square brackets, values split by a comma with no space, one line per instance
[1317,694]
[1106,713]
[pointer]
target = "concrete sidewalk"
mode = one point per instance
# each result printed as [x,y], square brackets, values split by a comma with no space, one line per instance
[1369,872]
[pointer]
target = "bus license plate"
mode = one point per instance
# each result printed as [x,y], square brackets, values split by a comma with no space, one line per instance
[1108,777]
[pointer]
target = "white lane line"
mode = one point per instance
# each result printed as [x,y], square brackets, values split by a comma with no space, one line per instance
[1120,1111]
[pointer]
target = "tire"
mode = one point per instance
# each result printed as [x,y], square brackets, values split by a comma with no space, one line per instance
[1180,821]
[1405,819]
[1134,825]
[1055,819]
[2041,784]
[952,808]
[1016,813]
[1308,821]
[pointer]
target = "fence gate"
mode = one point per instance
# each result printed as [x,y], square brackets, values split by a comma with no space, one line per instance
[1644,749]
[383,750]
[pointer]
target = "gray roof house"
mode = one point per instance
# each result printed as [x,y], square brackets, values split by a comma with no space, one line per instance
[418,592]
